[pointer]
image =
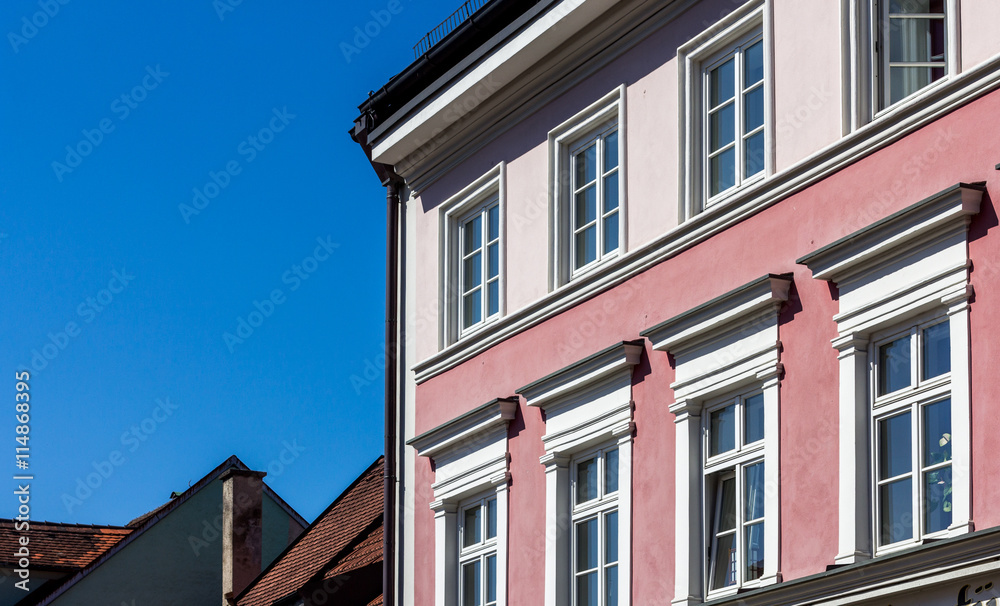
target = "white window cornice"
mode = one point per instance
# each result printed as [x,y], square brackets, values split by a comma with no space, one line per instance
[865,250]
[454,433]
[549,390]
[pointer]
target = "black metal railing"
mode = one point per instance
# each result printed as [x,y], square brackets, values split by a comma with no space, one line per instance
[447,26]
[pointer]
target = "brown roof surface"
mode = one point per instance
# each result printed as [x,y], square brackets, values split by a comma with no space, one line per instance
[364,553]
[376,602]
[336,535]
[62,547]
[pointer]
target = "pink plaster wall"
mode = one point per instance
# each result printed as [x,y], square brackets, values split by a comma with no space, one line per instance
[979,33]
[950,150]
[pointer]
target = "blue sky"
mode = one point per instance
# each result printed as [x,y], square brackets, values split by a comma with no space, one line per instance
[171,172]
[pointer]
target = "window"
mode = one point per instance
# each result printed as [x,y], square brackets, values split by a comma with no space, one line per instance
[479,269]
[595,529]
[587,160]
[478,553]
[734,486]
[726,112]
[472,257]
[910,47]
[594,184]
[911,416]
[734,132]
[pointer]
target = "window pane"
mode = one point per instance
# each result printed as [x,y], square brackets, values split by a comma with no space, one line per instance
[611,586]
[722,127]
[727,505]
[586,246]
[904,81]
[473,308]
[610,192]
[895,443]
[586,165]
[921,7]
[753,109]
[472,529]
[721,81]
[493,292]
[493,255]
[916,40]
[723,171]
[611,233]
[473,235]
[722,436]
[897,515]
[937,499]
[471,590]
[754,492]
[586,545]
[754,412]
[586,481]
[753,155]
[724,562]
[755,552]
[753,60]
[473,272]
[491,579]
[494,222]
[586,206]
[586,590]
[937,433]
[611,151]
[894,365]
[491,519]
[610,471]
[937,350]
[611,538]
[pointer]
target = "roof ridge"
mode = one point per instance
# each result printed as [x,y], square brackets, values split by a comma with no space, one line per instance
[68,524]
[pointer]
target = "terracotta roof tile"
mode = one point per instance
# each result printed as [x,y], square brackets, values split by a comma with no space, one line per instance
[61,547]
[364,553]
[322,544]
[376,602]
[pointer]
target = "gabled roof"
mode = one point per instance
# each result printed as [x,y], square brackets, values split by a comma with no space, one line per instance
[347,536]
[58,547]
[143,523]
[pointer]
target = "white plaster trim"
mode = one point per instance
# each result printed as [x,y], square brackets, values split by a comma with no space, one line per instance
[450,212]
[581,375]
[880,133]
[455,433]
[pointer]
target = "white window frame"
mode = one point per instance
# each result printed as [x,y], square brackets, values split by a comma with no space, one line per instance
[472,464]
[482,212]
[729,463]
[725,348]
[598,508]
[587,408]
[603,116]
[865,93]
[736,52]
[912,399]
[904,269]
[695,58]
[480,551]
[486,191]
[598,137]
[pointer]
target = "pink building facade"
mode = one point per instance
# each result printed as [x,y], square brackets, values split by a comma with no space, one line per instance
[697,303]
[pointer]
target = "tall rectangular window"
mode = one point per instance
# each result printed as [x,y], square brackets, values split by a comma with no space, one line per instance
[911,416]
[734,120]
[910,47]
[479,267]
[478,553]
[595,529]
[734,487]
[594,185]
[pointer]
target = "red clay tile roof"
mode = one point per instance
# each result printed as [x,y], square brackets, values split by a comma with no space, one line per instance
[364,553]
[338,533]
[59,547]
[376,602]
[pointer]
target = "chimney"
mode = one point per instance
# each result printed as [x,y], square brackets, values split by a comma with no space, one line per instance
[241,530]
